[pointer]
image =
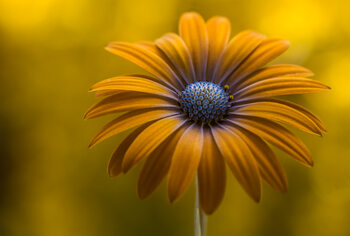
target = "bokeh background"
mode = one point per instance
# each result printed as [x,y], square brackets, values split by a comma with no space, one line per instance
[51,52]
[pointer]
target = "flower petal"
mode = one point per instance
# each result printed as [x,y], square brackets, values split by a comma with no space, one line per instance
[133,83]
[147,60]
[177,52]
[157,165]
[219,29]
[193,30]
[129,120]
[107,93]
[271,72]
[185,161]
[280,86]
[156,50]
[115,163]
[302,109]
[270,168]
[272,109]
[239,48]
[211,175]
[127,101]
[149,140]
[240,160]
[268,50]
[277,135]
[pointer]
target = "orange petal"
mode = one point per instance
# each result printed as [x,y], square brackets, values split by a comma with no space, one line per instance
[157,165]
[177,52]
[271,72]
[211,175]
[236,51]
[133,83]
[270,168]
[129,120]
[277,135]
[106,93]
[149,140]
[301,109]
[127,101]
[240,160]
[115,163]
[280,86]
[185,161]
[147,60]
[156,50]
[193,30]
[272,109]
[268,50]
[219,29]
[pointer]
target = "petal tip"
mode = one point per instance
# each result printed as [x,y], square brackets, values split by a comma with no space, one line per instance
[126,165]
[283,187]
[309,163]
[286,42]
[113,170]
[190,14]
[87,115]
[284,190]
[172,196]
[91,144]
[142,195]
[109,47]
[209,211]
[257,199]
[256,196]
[218,19]
[125,168]
[111,174]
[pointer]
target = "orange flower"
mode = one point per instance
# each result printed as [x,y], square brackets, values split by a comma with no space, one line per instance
[207,103]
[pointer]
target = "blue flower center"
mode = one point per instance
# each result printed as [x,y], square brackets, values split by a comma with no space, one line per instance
[204,102]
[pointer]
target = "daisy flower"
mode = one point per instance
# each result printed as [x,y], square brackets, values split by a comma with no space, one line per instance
[207,102]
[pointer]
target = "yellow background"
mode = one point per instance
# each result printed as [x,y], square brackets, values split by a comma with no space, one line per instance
[51,52]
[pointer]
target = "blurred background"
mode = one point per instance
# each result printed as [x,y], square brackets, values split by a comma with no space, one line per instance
[51,52]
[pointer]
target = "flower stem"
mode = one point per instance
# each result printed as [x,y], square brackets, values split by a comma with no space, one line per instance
[200,219]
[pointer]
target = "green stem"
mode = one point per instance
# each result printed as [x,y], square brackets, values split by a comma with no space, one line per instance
[200,219]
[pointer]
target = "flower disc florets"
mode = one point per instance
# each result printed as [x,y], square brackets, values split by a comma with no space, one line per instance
[204,102]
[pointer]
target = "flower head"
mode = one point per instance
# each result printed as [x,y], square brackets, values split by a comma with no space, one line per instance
[207,103]
[204,102]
